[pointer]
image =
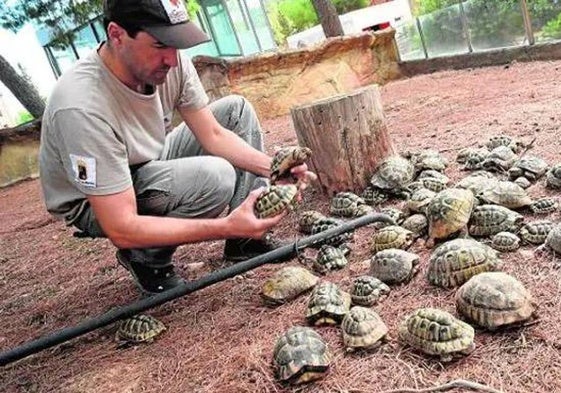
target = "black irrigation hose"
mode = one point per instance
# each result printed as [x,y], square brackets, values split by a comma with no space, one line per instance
[278,255]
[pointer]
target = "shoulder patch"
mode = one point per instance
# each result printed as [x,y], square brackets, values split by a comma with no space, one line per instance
[84,170]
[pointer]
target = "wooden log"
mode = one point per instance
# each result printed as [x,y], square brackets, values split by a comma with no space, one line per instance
[348,136]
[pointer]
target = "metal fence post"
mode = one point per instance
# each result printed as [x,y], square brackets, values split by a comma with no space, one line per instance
[420,30]
[465,27]
[527,22]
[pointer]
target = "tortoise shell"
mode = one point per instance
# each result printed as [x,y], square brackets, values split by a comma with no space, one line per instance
[363,328]
[139,328]
[329,258]
[500,159]
[472,157]
[504,140]
[300,355]
[456,261]
[536,232]
[428,159]
[394,266]
[307,219]
[507,194]
[392,236]
[544,205]
[374,196]
[393,174]
[522,182]
[528,166]
[437,332]
[419,200]
[417,223]
[495,299]
[433,184]
[287,158]
[274,199]
[432,174]
[286,284]
[505,242]
[449,212]
[348,204]
[478,182]
[328,304]
[368,290]
[323,224]
[553,239]
[553,177]
[487,220]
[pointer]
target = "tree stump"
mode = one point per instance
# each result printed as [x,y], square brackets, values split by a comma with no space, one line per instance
[348,136]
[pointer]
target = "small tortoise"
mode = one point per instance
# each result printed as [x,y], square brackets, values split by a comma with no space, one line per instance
[536,232]
[287,158]
[394,266]
[448,213]
[329,258]
[522,182]
[374,196]
[368,290]
[456,261]
[477,182]
[300,356]
[348,204]
[393,174]
[307,219]
[139,328]
[474,159]
[507,194]
[419,201]
[286,284]
[463,154]
[363,329]
[500,159]
[493,300]
[328,304]
[505,242]
[428,159]
[392,236]
[487,220]
[544,205]
[326,223]
[433,184]
[552,241]
[275,199]
[417,223]
[553,177]
[504,140]
[437,332]
[432,174]
[528,166]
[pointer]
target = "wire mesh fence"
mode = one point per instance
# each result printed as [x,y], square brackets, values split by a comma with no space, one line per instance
[479,25]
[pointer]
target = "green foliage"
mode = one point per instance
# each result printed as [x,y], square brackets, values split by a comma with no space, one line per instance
[23,117]
[552,29]
[288,17]
[427,6]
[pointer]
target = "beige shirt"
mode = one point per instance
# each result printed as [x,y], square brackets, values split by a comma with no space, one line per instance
[94,127]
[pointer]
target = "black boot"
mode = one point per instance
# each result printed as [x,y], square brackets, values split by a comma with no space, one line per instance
[237,250]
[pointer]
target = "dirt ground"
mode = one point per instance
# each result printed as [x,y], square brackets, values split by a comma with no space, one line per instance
[220,339]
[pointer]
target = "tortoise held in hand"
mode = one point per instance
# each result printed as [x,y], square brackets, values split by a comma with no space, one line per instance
[274,199]
[300,356]
[437,332]
[363,329]
[287,158]
[139,328]
[495,299]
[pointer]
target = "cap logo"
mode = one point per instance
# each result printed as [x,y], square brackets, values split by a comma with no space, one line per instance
[175,10]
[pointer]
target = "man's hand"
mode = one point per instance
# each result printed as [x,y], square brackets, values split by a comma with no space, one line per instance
[302,175]
[244,222]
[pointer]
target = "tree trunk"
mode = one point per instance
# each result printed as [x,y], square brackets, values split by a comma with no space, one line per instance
[348,136]
[328,17]
[22,89]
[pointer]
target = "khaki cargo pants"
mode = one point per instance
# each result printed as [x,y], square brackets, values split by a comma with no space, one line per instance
[186,181]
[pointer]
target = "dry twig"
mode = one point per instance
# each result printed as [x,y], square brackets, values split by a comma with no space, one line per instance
[457,383]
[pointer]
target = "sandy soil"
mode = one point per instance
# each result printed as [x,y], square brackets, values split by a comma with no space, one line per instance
[220,339]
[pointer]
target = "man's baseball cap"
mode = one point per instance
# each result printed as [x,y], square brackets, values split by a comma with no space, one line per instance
[165,20]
